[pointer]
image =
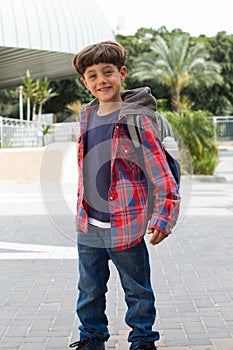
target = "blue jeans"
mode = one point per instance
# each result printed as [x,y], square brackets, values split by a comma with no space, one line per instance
[134,271]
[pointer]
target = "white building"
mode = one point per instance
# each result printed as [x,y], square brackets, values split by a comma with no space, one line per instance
[44,35]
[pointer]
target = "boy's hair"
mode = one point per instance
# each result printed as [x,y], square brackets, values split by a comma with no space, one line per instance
[104,52]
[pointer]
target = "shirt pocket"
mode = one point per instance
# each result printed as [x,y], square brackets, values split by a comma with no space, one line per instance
[127,155]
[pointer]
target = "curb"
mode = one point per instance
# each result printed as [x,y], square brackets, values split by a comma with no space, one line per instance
[209,178]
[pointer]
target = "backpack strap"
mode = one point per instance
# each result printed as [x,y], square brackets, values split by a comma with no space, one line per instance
[163,127]
[134,129]
[168,142]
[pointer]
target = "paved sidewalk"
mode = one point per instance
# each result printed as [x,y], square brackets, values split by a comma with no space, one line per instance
[192,271]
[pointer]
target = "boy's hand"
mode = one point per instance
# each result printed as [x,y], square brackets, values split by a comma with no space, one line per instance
[157,236]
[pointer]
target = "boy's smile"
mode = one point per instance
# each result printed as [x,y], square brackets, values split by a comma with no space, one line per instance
[104,80]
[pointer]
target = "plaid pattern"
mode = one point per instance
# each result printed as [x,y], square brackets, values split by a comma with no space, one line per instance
[128,194]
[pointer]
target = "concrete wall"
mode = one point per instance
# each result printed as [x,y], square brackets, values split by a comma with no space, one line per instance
[53,163]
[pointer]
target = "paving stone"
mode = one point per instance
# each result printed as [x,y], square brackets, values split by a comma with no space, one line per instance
[192,274]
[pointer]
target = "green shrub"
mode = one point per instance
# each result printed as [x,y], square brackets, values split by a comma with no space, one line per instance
[197,131]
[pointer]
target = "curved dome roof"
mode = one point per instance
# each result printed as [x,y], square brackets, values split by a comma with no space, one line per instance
[43,36]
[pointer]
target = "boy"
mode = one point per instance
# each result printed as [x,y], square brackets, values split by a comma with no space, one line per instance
[112,205]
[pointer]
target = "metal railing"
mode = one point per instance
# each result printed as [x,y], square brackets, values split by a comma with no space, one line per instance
[17,133]
[223,128]
[65,131]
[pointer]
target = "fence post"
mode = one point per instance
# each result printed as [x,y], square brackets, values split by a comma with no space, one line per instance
[215,129]
[1,135]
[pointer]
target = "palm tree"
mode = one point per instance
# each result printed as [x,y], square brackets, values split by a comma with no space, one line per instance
[177,64]
[74,107]
[28,91]
[46,130]
[44,93]
[35,98]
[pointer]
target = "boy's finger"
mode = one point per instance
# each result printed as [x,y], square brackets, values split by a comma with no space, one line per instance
[157,237]
[150,231]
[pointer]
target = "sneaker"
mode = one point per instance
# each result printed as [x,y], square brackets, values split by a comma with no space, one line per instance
[88,344]
[147,346]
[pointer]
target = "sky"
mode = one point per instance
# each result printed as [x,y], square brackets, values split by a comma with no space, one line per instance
[197,17]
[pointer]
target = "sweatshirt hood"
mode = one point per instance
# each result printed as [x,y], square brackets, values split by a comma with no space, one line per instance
[138,101]
[135,101]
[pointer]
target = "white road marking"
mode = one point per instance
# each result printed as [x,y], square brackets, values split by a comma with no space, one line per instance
[36,251]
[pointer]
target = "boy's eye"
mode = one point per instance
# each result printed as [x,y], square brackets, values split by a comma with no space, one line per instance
[108,72]
[92,76]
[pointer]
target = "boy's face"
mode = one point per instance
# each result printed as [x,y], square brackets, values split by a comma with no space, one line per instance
[104,81]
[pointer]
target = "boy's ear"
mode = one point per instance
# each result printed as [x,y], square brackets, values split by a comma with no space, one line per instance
[123,71]
[84,82]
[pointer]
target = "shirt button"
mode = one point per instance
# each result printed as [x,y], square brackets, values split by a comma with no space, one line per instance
[117,126]
[111,198]
[125,151]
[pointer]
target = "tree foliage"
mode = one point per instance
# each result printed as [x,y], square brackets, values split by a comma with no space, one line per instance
[9,103]
[216,98]
[36,93]
[177,65]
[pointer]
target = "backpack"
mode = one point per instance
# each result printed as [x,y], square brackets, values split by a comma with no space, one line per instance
[167,141]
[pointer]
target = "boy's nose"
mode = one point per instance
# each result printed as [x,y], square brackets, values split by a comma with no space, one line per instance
[102,79]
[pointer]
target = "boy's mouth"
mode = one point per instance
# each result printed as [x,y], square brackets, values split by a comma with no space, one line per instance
[105,88]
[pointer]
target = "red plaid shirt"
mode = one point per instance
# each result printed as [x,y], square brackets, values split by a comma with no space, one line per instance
[128,193]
